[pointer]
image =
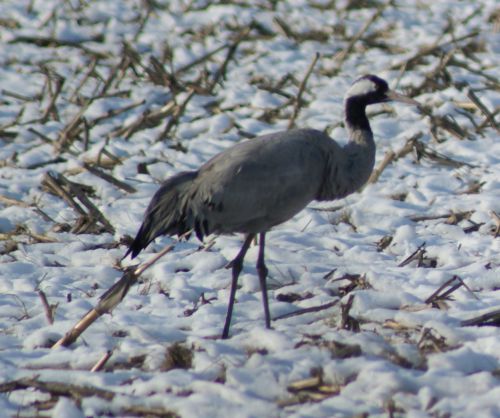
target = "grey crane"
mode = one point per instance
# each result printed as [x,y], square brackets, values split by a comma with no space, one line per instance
[257,184]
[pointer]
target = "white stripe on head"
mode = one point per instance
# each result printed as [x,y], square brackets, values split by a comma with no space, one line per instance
[361,87]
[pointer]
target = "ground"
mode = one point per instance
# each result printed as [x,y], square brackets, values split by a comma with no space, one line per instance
[385,303]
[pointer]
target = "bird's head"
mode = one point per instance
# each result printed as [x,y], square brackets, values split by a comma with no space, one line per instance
[371,89]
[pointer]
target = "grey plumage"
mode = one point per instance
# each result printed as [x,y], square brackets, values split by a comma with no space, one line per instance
[257,184]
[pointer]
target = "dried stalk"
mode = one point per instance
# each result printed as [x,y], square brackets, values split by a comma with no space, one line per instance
[423,150]
[53,182]
[49,309]
[307,310]
[72,129]
[57,388]
[148,119]
[199,60]
[9,201]
[484,110]
[447,123]
[392,156]
[312,35]
[51,109]
[231,51]
[341,56]
[436,47]
[298,100]
[102,361]
[491,318]
[346,320]
[70,192]
[437,298]
[90,71]
[115,112]
[109,178]
[452,218]
[110,299]
[416,255]
[178,111]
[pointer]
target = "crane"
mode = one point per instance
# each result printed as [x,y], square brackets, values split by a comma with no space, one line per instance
[259,183]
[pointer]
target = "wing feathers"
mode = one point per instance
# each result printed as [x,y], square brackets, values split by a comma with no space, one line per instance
[165,213]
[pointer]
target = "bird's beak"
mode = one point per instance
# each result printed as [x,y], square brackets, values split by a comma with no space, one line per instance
[397,97]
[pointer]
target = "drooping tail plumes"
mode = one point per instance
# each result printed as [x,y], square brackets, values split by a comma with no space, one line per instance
[165,214]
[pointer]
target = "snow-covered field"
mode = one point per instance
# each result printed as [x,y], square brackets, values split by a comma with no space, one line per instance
[103,99]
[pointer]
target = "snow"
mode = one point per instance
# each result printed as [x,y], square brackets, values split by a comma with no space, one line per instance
[408,357]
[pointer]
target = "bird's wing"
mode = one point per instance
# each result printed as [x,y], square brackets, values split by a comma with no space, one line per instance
[257,184]
[164,214]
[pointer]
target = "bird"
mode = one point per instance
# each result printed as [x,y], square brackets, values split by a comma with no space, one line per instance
[262,182]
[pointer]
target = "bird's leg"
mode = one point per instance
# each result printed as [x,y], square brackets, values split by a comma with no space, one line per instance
[236,266]
[262,271]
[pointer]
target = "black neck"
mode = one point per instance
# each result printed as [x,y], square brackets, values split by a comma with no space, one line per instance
[355,115]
